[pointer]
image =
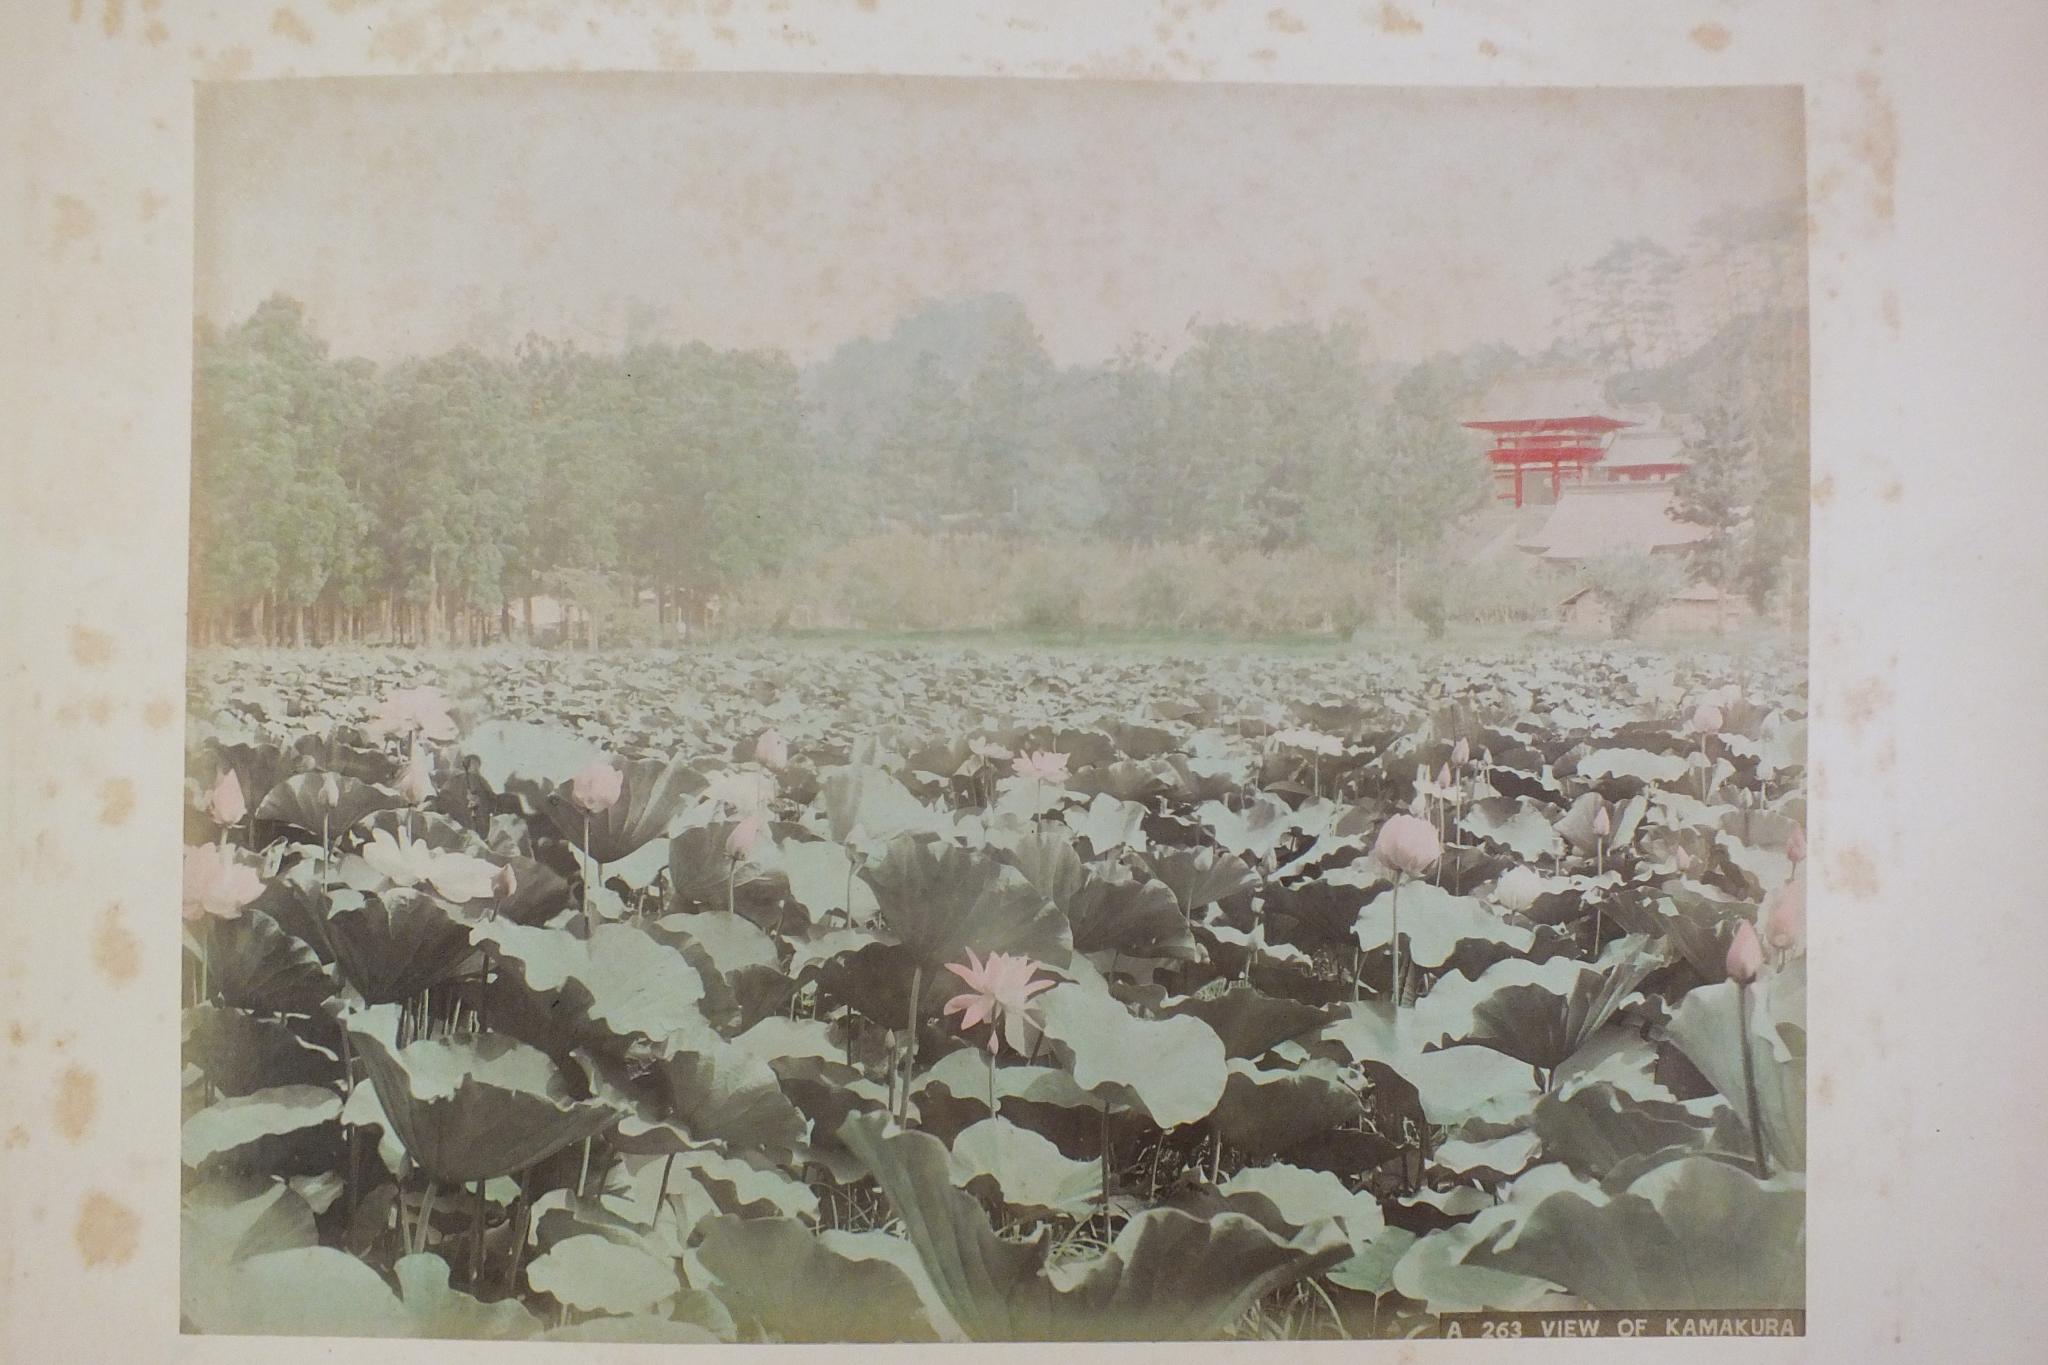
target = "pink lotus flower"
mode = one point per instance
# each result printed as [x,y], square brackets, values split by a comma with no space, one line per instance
[1707,718]
[416,782]
[744,836]
[409,711]
[1745,955]
[771,749]
[505,884]
[1795,845]
[1040,766]
[217,885]
[1407,843]
[998,990]
[987,752]
[1783,916]
[226,800]
[597,788]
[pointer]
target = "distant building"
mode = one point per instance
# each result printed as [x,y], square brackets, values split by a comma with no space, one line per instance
[1588,477]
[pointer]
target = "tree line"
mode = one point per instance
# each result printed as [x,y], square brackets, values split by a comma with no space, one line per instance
[431,498]
[425,499]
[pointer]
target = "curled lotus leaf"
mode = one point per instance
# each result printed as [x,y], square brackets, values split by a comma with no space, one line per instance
[1301,1197]
[392,944]
[717,1092]
[441,1312]
[1107,910]
[1273,1112]
[1250,1022]
[1596,1127]
[302,802]
[939,902]
[1434,922]
[229,1128]
[1708,1028]
[1696,1233]
[1173,1067]
[241,1053]
[594,1274]
[651,795]
[777,1272]
[255,965]
[471,1108]
[1200,877]
[1168,1276]
[617,986]
[1543,1014]
[1030,1171]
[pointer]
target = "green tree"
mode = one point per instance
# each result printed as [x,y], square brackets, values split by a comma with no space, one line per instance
[1632,586]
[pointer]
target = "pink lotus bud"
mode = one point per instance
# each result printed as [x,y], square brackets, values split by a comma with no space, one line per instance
[1602,826]
[1795,845]
[1407,844]
[1682,859]
[225,800]
[505,883]
[1707,718]
[1443,776]
[744,836]
[1783,916]
[415,782]
[330,791]
[1745,954]
[771,749]
[1461,753]
[596,789]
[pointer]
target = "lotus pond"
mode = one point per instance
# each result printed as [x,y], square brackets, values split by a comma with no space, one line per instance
[773,993]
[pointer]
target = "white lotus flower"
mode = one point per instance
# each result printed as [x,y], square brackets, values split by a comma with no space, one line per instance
[410,862]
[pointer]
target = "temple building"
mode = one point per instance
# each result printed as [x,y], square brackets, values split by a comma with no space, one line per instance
[1587,477]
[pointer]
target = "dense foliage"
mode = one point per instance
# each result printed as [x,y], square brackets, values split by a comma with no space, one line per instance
[334,499]
[622,998]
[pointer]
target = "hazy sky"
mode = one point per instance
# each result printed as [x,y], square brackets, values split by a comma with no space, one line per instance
[411,214]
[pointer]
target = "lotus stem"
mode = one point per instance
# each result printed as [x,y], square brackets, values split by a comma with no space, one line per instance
[732,868]
[521,1213]
[1105,1167]
[1336,1320]
[1756,1127]
[589,909]
[583,1175]
[1394,911]
[661,1201]
[991,1082]
[910,1041]
[424,1227]
[476,1238]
